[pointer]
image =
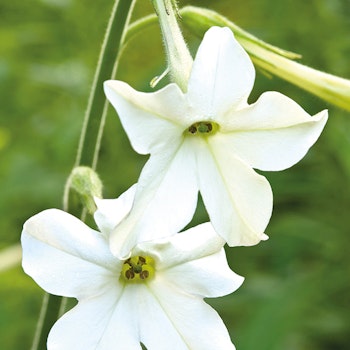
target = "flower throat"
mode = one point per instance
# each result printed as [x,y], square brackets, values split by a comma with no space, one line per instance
[138,269]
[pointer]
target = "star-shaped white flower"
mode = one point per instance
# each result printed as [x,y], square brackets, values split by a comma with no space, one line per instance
[209,139]
[154,297]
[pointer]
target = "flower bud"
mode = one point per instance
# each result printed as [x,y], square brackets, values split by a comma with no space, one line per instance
[86,183]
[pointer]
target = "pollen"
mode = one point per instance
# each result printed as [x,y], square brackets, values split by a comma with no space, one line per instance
[202,128]
[138,269]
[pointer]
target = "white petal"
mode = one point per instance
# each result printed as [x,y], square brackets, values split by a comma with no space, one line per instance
[195,243]
[194,261]
[238,200]
[105,322]
[206,277]
[222,75]
[183,322]
[151,120]
[165,200]
[63,255]
[110,212]
[272,134]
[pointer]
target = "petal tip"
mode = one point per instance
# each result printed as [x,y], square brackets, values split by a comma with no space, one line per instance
[264,237]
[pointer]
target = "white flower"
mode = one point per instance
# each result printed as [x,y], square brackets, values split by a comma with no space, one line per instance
[154,297]
[209,139]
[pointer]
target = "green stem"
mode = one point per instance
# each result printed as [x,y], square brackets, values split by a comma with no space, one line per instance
[330,88]
[178,55]
[270,58]
[90,139]
[49,313]
[106,68]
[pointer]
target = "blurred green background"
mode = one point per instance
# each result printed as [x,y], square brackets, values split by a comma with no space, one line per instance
[296,292]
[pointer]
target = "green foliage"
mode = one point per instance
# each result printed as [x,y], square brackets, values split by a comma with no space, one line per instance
[296,291]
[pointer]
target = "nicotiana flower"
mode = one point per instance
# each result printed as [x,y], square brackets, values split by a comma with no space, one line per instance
[154,297]
[208,139]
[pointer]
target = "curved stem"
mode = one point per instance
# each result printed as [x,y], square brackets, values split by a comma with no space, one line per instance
[271,59]
[49,313]
[329,87]
[90,139]
[106,68]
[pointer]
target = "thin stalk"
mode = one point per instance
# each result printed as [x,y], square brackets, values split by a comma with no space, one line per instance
[329,87]
[178,56]
[49,313]
[269,58]
[106,67]
[90,139]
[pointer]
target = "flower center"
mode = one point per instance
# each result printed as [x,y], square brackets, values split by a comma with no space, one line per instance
[202,128]
[138,269]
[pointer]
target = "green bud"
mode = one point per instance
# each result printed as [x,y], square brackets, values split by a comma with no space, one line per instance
[86,183]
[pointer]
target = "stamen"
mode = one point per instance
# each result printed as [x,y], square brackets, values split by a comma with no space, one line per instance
[192,129]
[144,274]
[137,269]
[202,128]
